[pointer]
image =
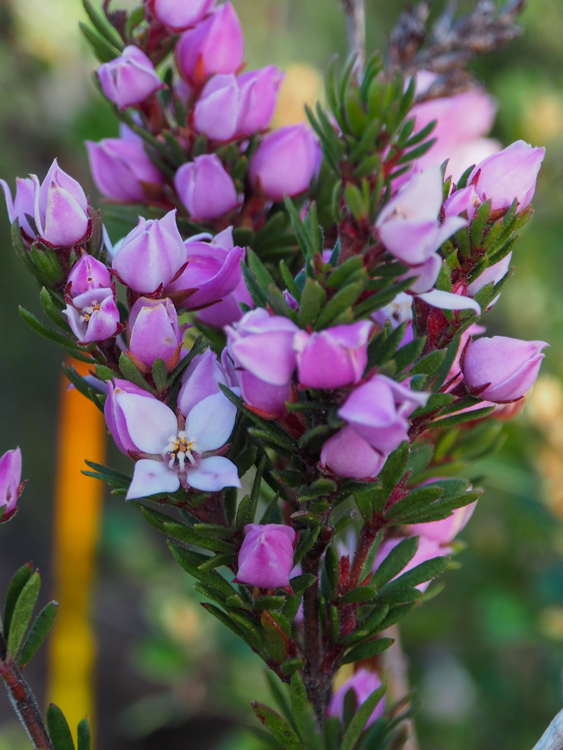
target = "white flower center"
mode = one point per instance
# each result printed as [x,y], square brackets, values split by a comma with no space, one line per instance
[180,449]
[87,312]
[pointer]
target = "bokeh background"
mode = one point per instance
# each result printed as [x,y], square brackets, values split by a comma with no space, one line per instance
[486,654]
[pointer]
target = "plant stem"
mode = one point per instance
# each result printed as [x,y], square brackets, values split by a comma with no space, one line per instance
[356,27]
[25,706]
[365,541]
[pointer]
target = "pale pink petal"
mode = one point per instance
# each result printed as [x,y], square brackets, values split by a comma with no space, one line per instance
[152,478]
[150,423]
[211,422]
[449,301]
[213,474]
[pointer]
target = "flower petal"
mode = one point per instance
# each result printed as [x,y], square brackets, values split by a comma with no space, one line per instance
[149,422]
[213,474]
[151,478]
[449,301]
[211,422]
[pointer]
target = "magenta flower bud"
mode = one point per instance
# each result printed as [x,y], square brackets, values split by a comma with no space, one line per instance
[262,395]
[154,332]
[61,208]
[206,190]
[217,110]
[501,369]
[363,683]
[212,271]
[491,274]
[151,255]
[216,45]
[11,485]
[464,200]
[93,316]
[228,311]
[263,345]
[334,357]
[259,91]
[508,175]
[87,274]
[22,204]
[428,549]
[266,556]
[178,16]
[202,378]
[348,454]
[379,409]
[285,162]
[121,169]
[129,79]
[113,413]
[446,530]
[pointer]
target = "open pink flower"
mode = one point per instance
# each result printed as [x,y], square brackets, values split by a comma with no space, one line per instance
[93,315]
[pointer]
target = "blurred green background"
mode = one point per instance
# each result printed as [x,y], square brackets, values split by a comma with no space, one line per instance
[486,654]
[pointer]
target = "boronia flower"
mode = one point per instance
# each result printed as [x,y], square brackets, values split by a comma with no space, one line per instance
[11,485]
[174,451]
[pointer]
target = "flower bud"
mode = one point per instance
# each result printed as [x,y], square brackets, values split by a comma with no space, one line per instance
[263,345]
[363,683]
[259,94]
[501,369]
[285,162]
[121,169]
[446,530]
[462,200]
[202,378]
[93,316]
[205,189]
[348,454]
[266,555]
[180,15]
[508,175]
[129,79]
[228,311]
[115,418]
[154,332]
[22,204]
[87,274]
[491,274]
[11,485]
[217,110]
[334,357]
[262,395]
[151,255]
[216,45]
[428,549]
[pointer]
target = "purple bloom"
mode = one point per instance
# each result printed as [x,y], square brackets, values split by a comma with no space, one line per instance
[87,274]
[24,202]
[462,200]
[93,315]
[363,683]
[11,485]
[228,311]
[154,332]
[113,413]
[348,454]
[510,174]
[259,91]
[334,357]
[216,45]
[173,452]
[261,395]
[151,255]
[122,169]
[205,189]
[202,378]
[217,110]
[428,549]
[501,369]
[178,16]
[263,345]
[129,79]
[285,162]
[266,556]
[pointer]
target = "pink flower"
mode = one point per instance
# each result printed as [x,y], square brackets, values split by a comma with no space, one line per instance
[87,274]
[216,45]
[11,485]
[428,549]
[202,378]
[334,357]
[121,169]
[259,90]
[114,416]
[446,530]
[501,369]
[22,204]
[348,454]
[129,79]
[93,315]
[462,200]
[205,189]
[178,16]
[262,395]
[154,332]
[266,556]
[151,255]
[363,683]
[491,274]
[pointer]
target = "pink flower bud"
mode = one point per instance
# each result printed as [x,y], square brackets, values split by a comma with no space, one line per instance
[87,274]
[491,274]
[202,378]
[259,91]
[11,485]
[501,369]
[206,190]
[262,395]
[462,200]
[216,45]
[178,16]
[24,203]
[446,530]
[61,208]
[151,255]
[363,683]
[217,110]
[154,332]
[285,162]
[263,345]
[228,311]
[508,175]
[428,549]
[115,419]
[93,316]
[121,169]
[129,79]
[334,357]
[347,454]
[266,556]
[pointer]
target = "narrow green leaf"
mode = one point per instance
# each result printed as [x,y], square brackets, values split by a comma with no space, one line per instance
[468,416]
[84,735]
[359,595]
[51,311]
[396,561]
[58,728]
[47,333]
[341,301]
[407,354]
[394,467]
[160,375]
[131,373]
[417,499]
[103,26]
[22,613]
[39,631]
[281,730]
[104,51]
[367,650]
[19,580]
[313,297]
[360,719]
[422,573]
[303,713]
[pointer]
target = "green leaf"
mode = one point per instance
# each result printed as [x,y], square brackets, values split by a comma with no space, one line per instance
[104,51]
[22,613]
[225,619]
[419,498]
[429,364]
[396,614]
[213,530]
[341,301]
[299,228]
[103,26]
[382,298]
[82,386]
[468,416]
[20,249]
[396,561]
[359,595]
[313,297]
[478,224]
[407,354]
[303,713]
[367,650]
[84,735]
[306,541]
[19,580]
[51,311]
[131,373]
[382,348]
[394,467]
[59,731]
[185,534]
[160,375]
[190,562]
[39,631]
[47,333]
[276,640]
[422,573]
[281,730]
[358,723]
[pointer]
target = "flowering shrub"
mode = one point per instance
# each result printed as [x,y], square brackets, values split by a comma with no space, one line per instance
[292,323]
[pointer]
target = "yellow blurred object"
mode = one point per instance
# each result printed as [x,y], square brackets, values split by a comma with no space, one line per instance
[302,85]
[78,502]
[551,623]
[546,412]
[543,118]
